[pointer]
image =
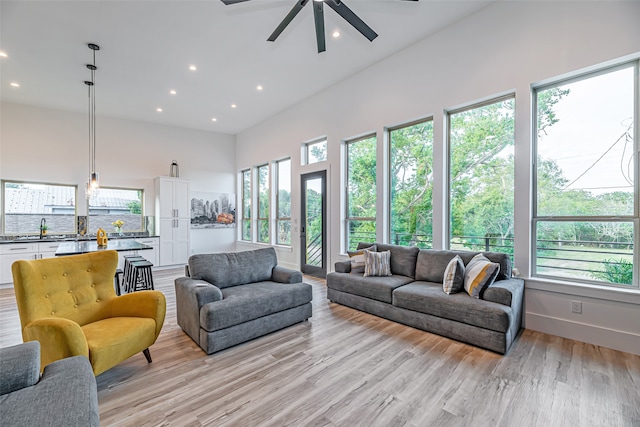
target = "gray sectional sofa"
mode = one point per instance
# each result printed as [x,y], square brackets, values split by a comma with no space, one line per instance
[413,295]
[229,298]
[65,394]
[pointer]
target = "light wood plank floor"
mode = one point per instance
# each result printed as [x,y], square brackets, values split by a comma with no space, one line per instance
[347,368]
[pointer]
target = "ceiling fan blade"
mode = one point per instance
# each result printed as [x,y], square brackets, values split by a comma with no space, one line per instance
[318,15]
[287,19]
[228,2]
[352,19]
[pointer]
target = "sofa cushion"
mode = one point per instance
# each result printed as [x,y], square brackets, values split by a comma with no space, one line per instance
[428,298]
[233,268]
[377,263]
[479,274]
[453,281]
[432,263]
[403,258]
[377,288]
[244,303]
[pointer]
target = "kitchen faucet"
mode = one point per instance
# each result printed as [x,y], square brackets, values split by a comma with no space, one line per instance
[43,222]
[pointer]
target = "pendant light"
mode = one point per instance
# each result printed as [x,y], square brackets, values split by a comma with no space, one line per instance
[93,185]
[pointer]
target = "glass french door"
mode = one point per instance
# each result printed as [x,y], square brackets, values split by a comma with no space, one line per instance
[313,233]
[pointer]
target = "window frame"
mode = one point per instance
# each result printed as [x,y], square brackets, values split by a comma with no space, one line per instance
[3,215]
[258,218]
[634,218]
[447,225]
[278,219]
[246,213]
[125,230]
[306,157]
[347,218]
[391,188]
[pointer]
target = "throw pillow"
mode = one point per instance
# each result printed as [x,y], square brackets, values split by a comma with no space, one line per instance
[357,259]
[479,275]
[377,263]
[454,276]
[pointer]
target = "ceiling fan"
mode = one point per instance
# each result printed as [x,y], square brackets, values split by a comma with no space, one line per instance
[318,14]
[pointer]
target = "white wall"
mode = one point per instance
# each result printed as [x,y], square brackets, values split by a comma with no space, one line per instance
[504,48]
[38,144]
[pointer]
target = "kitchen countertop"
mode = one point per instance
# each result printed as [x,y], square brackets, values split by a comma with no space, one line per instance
[36,239]
[83,247]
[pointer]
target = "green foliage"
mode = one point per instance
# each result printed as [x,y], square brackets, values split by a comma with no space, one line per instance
[135,207]
[616,271]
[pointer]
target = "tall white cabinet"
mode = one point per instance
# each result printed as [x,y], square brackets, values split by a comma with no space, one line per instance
[172,219]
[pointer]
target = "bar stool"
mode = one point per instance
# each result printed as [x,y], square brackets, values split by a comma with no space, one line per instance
[117,281]
[141,277]
[128,274]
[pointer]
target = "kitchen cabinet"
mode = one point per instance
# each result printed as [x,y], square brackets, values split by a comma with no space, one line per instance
[173,218]
[11,252]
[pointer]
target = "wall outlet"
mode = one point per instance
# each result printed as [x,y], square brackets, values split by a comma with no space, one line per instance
[576,307]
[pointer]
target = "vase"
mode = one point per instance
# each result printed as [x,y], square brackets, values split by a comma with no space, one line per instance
[118,231]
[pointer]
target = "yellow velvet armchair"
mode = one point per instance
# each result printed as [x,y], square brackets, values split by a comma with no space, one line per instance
[70,306]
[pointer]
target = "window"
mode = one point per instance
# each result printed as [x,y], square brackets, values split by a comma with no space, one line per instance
[586,200]
[411,172]
[246,205]
[481,176]
[314,151]
[116,204]
[262,220]
[26,204]
[361,191]
[283,202]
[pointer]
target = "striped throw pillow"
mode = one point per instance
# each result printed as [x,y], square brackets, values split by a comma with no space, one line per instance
[377,263]
[479,275]
[357,259]
[454,276]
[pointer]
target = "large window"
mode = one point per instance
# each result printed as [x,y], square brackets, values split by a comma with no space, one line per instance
[246,205]
[411,189]
[481,142]
[27,205]
[314,151]
[283,202]
[262,221]
[361,191]
[116,204]
[586,206]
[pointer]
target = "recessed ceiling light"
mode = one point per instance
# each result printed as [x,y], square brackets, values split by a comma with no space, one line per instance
[3,55]
[214,120]
[259,88]
[336,34]
[159,110]
[234,106]
[172,92]
[14,84]
[192,67]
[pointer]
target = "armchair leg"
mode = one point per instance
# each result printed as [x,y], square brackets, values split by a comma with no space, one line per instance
[147,354]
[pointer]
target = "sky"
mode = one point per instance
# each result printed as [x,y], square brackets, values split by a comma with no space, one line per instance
[592,117]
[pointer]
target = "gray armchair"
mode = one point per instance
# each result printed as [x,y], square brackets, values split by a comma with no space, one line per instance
[65,395]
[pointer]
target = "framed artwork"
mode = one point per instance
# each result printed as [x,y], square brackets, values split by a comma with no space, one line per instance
[213,210]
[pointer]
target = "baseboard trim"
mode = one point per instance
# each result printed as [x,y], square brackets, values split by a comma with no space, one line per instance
[628,342]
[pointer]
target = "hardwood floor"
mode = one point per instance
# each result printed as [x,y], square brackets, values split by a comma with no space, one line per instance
[347,368]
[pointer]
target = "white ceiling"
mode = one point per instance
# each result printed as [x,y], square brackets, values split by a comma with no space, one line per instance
[148,45]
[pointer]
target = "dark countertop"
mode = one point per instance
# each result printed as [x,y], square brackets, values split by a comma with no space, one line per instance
[36,239]
[74,248]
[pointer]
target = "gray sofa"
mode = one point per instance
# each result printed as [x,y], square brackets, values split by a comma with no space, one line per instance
[229,298]
[413,295]
[65,395]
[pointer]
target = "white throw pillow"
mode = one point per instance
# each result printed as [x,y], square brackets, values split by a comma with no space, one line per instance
[454,276]
[377,263]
